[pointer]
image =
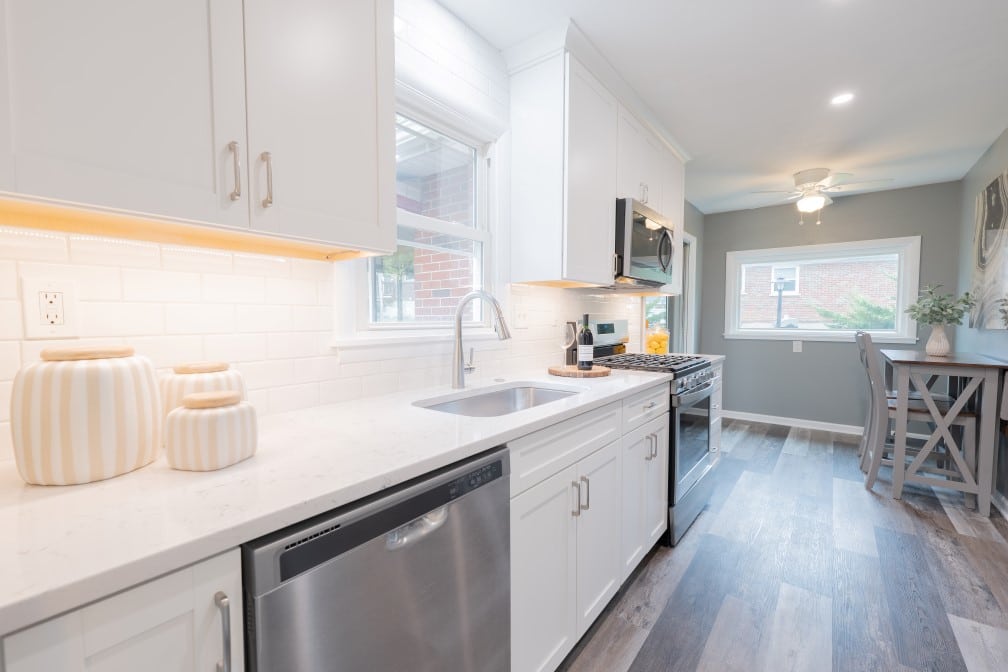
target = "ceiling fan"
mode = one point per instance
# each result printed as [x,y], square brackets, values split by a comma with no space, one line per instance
[813,188]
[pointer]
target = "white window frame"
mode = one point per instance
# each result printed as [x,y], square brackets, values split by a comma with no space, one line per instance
[773,278]
[353,326]
[907,249]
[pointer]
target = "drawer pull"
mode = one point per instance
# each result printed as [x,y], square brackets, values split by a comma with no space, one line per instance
[648,407]
[224,606]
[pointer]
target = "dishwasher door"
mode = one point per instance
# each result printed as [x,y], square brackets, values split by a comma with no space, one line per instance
[414,580]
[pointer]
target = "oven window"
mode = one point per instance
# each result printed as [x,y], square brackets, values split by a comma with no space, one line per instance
[693,445]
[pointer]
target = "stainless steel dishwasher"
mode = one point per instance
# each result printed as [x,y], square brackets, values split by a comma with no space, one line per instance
[414,579]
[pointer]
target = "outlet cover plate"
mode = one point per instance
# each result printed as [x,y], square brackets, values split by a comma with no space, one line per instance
[38,322]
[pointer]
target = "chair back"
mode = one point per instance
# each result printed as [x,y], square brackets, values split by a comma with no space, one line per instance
[876,378]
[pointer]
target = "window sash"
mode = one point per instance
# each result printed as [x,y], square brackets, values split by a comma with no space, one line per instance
[907,250]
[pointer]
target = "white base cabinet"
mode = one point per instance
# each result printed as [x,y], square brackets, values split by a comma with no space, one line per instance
[170,624]
[645,491]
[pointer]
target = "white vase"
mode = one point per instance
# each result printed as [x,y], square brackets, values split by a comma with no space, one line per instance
[938,343]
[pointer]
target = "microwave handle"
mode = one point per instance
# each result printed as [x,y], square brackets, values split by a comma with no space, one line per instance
[666,266]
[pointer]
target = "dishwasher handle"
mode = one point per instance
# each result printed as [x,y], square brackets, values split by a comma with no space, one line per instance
[415,530]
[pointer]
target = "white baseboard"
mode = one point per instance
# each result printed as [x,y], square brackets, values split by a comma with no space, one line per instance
[794,422]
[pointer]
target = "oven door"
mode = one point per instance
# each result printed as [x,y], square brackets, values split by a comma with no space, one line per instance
[690,440]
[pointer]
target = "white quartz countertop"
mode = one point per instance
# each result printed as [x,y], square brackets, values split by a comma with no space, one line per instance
[66,546]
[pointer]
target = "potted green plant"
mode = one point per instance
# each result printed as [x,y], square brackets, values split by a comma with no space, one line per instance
[939,310]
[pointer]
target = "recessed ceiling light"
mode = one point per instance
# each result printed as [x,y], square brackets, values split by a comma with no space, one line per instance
[842,98]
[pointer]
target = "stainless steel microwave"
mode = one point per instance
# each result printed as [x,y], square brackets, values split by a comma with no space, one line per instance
[648,247]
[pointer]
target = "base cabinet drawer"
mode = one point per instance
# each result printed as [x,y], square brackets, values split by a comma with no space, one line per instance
[645,406]
[171,624]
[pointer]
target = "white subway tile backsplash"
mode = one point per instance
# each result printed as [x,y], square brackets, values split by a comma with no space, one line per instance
[199,318]
[23,244]
[259,264]
[10,320]
[6,443]
[359,369]
[292,292]
[308,269]
[235,347]
[262,319]
[99,318]
[293,397]
[311,318]
[379,383]
[5,397]
[325,293]
[166,286]
[114,252]
[94,283]
[259,399]
[10,359]
[268,373]
[8,280]
[234,288]
[302,344]
[316,369]
[168,351]
[335,391]
[195,259]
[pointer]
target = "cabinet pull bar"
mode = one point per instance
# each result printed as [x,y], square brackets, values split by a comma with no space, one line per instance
[267,158]
[650,452]
[236,192]
[587,483]
[224,606]
[654,448]
[648,407]
[577,508]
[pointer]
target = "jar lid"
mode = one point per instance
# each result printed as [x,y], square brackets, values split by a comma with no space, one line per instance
[211,399]
[201,367]
[73,354]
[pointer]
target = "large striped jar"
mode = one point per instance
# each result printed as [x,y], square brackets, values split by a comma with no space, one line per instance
[84,414]
[186,379]
[210,430]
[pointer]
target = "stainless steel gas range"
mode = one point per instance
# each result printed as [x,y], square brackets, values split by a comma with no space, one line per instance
[691,460]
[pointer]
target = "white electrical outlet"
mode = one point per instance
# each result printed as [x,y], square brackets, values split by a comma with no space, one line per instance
[796,346]
[49,308]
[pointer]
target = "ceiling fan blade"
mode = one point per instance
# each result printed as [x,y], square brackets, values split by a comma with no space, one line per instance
[774,191]
[834,179]
[794,196]
[850,186]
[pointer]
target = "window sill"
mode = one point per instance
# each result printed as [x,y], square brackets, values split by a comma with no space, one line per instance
[798,335]
[371,339]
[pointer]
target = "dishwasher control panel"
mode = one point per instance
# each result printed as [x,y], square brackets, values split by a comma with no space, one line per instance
[474,479]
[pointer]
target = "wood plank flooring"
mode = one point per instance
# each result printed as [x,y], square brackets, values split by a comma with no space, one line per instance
[795,566]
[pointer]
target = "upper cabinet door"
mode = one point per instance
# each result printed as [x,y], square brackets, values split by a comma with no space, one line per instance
[590,217]
[320,119]
[128,104]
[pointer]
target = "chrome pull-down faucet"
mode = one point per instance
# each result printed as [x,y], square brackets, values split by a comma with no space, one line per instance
[459,366]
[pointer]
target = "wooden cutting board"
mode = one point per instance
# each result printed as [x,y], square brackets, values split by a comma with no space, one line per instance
[571,371]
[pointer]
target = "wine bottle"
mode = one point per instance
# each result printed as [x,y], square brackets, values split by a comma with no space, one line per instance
[585,347]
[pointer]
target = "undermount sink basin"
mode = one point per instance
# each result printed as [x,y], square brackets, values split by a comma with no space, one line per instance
[498,400]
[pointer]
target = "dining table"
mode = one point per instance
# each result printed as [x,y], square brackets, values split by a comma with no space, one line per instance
[975,376]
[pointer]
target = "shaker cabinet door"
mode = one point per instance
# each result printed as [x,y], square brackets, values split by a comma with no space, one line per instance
[127,104]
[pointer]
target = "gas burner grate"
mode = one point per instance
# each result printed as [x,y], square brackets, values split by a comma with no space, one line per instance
[679,365]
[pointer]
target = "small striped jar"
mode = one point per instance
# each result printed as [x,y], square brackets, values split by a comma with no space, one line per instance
[84,414]
[198,377]
[210,430]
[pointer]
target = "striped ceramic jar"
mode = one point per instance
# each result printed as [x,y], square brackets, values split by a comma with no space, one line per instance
[186,379]
[84,415]
[210,431]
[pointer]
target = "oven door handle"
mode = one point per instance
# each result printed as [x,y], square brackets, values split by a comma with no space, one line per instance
[693,396]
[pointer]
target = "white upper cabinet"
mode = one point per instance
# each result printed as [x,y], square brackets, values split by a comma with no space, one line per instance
[168,109]
[640,162]
[563,177]
[130,105]
[320,119]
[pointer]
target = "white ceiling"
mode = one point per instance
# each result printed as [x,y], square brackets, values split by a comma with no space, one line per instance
[745,85]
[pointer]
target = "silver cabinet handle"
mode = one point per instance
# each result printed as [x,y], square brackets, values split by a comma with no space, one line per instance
[648,407]
[654,447]
[267,158]
[643,193]
[577,509]
[224,606]
[587,505]
[236,192]
[650,452]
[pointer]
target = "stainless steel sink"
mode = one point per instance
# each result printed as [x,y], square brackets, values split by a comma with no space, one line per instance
[496,401]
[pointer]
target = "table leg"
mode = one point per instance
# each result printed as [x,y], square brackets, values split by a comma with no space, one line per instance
[987,443]
[899,445]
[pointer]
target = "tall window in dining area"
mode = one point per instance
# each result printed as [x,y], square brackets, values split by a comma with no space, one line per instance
[823,292]
[442,235]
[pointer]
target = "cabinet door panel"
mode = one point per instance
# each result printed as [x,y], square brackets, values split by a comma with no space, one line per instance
[590,218]
[636,448]
[316,104]
[657,484]
[543,573]
[129,105]
[598,531]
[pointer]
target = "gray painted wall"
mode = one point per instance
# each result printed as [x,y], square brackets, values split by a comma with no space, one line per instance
[993,342]
[821,383]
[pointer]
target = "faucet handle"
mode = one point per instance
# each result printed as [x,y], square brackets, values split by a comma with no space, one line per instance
[469,366]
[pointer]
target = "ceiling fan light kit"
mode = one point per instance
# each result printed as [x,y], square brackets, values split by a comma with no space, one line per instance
[811,202]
